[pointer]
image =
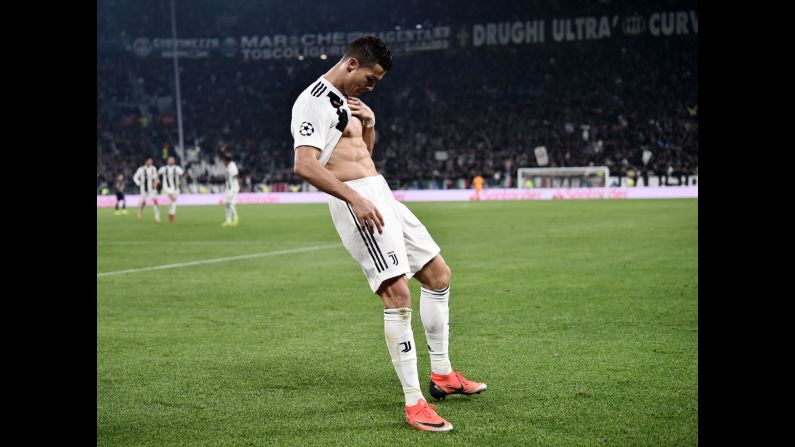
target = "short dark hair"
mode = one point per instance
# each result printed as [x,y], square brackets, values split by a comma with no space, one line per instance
[370,50]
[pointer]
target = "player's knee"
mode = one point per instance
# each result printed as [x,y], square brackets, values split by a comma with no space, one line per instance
[395,301]
[441,278]
[395,292]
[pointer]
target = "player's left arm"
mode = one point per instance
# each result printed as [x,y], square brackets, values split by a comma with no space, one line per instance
[360,110]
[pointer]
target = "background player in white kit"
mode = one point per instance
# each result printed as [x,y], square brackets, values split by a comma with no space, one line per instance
[146,178]
[171,176]
[230,192]
[334,136]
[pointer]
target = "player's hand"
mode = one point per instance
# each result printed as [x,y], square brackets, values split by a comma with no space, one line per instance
[360,110]
[368,215]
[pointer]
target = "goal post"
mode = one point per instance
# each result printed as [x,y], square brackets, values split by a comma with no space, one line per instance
[569,177]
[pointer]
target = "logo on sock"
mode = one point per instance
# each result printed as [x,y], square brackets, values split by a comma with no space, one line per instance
[406,346]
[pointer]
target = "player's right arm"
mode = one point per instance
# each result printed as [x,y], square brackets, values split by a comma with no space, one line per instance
[309,168]
[137,177]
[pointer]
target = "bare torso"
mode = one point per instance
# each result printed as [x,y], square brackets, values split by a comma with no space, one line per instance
[351,160]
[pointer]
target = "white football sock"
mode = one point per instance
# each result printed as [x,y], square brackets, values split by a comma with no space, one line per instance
[435,315]
[400,342]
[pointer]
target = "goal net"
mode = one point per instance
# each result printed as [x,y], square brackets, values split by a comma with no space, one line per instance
[569,177]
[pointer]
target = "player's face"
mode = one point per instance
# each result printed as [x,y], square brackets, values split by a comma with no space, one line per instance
[171,161]
[362,79]
[148,162]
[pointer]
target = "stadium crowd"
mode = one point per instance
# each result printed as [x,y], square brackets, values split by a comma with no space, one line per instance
[443,116]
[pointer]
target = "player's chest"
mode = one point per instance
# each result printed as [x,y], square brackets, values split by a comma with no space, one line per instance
[340,119]
[353,128]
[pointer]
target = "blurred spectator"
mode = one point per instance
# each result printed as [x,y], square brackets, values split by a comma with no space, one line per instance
[601,102]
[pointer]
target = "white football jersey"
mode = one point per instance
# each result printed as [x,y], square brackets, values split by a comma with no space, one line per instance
[231,177]
[145,178]
[320,115]
[170,175]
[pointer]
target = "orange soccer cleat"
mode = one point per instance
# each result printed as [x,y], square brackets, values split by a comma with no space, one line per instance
[453,383]
[422,416]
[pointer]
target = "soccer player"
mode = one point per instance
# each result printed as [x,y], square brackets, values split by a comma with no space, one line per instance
[478,182]
[120,186]
[146,178]
[230,193]
[334,135]
[171,175]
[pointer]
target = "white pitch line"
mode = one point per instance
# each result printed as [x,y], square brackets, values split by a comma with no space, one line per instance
[213,261]
[205,242]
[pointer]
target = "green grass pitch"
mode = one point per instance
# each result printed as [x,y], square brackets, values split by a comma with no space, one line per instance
[581,316]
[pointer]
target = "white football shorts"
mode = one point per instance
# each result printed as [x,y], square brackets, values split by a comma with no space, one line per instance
[230,196]
[146,195]
[404,247]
